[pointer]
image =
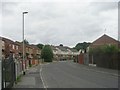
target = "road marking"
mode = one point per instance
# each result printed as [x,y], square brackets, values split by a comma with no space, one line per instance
[44,85]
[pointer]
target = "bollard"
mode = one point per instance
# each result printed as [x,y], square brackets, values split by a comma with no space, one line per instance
[24,73]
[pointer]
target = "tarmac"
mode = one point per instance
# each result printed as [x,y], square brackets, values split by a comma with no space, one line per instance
[32,78]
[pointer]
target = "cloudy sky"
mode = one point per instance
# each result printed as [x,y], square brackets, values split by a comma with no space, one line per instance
[59,21]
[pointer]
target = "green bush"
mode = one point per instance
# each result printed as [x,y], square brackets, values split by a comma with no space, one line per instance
[110,49]
[104,49]
[105,56]
[47,53]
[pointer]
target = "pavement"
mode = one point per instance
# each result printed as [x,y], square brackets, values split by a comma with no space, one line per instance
[67,74]
[31,79]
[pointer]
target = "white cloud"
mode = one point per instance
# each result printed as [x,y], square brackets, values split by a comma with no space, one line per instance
[60,21]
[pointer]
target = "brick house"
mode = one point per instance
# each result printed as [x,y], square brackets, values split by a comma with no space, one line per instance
[32,53]
[3,49]
[64,53]
[9,46]
[103,60]
[36,54]
[104,40]
[15,49]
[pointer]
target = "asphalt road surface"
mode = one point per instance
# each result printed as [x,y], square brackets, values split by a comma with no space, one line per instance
[67,74]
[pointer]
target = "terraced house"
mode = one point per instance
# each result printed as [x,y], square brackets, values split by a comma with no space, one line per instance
[64,53]
[36,54]
[12,59]
[32,54]
[9,47]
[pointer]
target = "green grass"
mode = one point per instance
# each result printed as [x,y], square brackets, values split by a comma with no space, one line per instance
[30,65]
[18,79]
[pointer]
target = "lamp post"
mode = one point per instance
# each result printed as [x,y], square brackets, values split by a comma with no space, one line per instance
[0,63]
[23,45]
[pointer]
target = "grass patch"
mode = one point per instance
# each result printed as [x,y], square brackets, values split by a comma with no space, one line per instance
[18,79]
[30,65]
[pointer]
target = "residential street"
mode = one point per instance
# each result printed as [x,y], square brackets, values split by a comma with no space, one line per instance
[71,75]
[67,74]
[58,44]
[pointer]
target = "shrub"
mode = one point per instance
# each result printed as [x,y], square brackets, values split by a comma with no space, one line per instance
[104,49]
[47,53]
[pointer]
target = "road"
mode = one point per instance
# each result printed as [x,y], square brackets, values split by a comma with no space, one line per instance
[67,74]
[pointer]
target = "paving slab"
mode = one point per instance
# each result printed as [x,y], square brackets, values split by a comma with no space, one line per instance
[31,79]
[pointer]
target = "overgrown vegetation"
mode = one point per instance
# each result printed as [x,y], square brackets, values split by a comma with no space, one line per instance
[105,49]
[82,46]
[105,56]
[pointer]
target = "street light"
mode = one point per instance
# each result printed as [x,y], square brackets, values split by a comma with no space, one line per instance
[23,43]
[0,63]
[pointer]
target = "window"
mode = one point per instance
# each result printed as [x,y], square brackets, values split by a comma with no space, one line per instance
[13,46]
[16,47]
[3,44]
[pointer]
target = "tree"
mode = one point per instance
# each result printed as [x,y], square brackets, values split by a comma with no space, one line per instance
[47,53]
[26,42]
[61,45]
[82,46]
[40,46]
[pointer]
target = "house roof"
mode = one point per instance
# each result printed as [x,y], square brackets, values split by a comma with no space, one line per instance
[104,39]
[53,48]
[72,49]
[7,40]
[62,48]
[34,46]
[20,43]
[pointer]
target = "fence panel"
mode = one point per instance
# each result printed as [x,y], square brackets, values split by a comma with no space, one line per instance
[106,60]
[86,59]
[18,68]
[8,73]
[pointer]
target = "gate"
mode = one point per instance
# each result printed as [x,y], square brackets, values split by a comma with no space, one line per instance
[86,58]
[81,58]
[8,72]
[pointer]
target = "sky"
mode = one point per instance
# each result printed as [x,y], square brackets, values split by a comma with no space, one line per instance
[55,22]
